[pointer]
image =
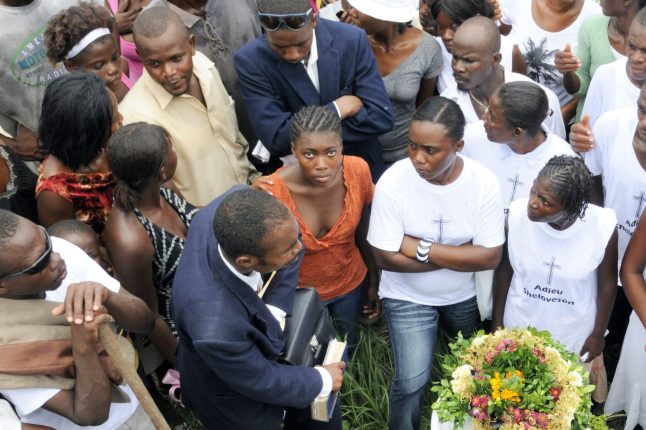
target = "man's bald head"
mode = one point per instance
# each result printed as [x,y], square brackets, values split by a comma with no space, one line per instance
[479,31]
[154,22]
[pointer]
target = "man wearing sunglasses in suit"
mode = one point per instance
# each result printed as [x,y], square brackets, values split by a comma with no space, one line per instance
[37,347]
[305,61]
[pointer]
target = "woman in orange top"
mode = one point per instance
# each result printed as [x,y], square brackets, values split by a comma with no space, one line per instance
[330,196]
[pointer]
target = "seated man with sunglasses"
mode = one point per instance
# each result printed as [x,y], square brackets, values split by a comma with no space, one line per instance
[38,360]
[305,61]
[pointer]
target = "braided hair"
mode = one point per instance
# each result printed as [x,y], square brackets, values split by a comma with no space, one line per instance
[572,182]
[524,105]
[136,153]
[69,26]
[314,119]
[443,111]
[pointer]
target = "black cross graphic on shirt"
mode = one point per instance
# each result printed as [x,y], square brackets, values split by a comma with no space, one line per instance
[516,183]
[440,222]
[640,203]
[552,266]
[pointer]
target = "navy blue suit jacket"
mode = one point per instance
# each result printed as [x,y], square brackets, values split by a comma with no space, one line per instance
[229,342]
[274,89]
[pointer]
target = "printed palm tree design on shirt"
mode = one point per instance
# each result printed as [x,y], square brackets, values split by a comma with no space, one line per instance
[538,69]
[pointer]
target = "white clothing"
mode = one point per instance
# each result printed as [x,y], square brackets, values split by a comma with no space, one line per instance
[515,172]
[8,419]
[445,79]
[628,389]
[554,286]
[29,402]
[609,89]
[553,122]
[539,46]
[624,180]
[468,209]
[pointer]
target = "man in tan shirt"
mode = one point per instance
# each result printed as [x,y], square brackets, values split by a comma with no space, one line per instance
[181,91]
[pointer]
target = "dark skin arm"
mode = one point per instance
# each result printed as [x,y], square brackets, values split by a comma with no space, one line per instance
[632,270]
[85,299]
[24,145]
[569,110]
[518,64]
[53,208]
[372,307]
[597,191]
[606,292]
[501,282]
[88,403]
[426,90]
[462,258]
[132,256]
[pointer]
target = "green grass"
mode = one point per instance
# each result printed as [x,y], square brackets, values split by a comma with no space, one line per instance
[364,395]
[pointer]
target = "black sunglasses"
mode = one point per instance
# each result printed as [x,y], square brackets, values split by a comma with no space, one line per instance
[294,22]
[40,263]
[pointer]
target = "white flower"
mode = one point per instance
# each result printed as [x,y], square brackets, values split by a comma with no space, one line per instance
[462,380]
[575,379]
[478,341]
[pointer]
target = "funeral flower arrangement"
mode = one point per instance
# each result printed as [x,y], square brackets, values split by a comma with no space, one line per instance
[514,380]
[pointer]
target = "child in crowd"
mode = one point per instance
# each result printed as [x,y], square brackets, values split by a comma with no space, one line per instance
[82,235]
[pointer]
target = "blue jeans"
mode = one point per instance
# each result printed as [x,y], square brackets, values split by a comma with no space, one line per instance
[345,311]
[413,332]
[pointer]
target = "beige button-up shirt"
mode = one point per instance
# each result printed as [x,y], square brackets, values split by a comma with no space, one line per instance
[211,152]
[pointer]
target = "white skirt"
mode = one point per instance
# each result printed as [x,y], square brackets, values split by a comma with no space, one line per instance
[628,389]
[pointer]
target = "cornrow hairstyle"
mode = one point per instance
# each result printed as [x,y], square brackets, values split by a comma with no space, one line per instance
[459,11]
[136,153]
[283,7]
[68,27]
[443,111]
[8,226]
[155,21]
[243,220]
[76,118]
[524,105]
[314,119]
[572,182]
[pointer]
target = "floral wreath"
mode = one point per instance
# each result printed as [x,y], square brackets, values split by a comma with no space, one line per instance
[514,380]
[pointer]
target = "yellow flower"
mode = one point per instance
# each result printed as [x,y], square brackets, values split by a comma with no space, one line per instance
[512,396]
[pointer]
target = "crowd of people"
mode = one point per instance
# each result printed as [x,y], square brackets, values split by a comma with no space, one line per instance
[173,170]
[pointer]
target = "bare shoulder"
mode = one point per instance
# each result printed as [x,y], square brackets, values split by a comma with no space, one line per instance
[125,232]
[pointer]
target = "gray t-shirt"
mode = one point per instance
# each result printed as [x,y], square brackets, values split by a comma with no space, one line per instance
[25,70]
[402,86]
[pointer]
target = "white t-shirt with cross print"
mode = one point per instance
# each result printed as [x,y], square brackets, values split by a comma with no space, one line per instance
[554,286]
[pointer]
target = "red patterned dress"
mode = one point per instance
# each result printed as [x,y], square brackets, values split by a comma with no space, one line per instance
[90,193]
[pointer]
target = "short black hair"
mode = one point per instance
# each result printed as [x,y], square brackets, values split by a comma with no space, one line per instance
[524,105]
[243,220]
[8,226]
[443,111]
[70,226]
[459,11]
[135,153]
[283,7]
[155,21]
[314,119]
[69,26]
[572,182]
[76,118]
